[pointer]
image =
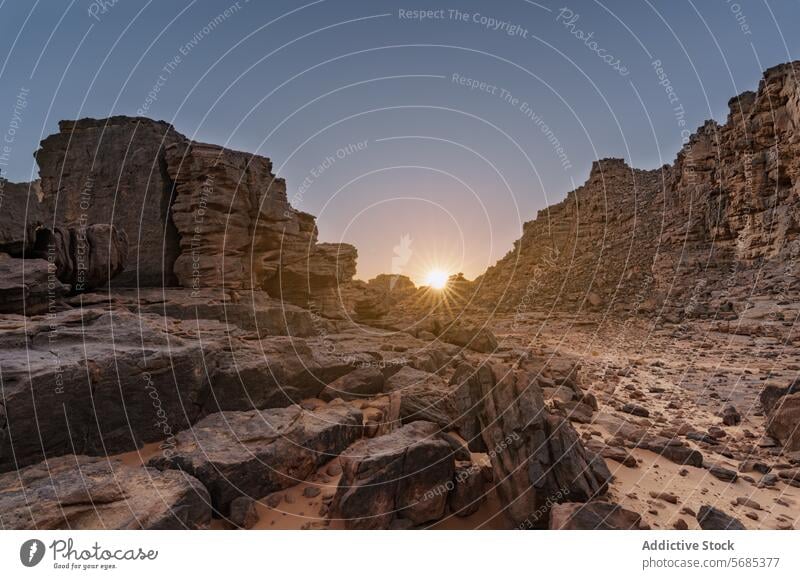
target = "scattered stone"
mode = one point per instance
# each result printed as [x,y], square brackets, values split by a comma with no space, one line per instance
[636,410]
[681,525]
[731,416]
[748,502]
[665,496]
[723,474]
[594,515]
[713,519]
[243,513]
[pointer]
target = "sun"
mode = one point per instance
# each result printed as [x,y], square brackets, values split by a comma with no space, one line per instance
[436,279]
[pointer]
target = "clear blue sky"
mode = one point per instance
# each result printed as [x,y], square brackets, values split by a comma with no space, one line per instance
[456,169]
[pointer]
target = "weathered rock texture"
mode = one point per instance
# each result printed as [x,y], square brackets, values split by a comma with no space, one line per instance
[405,474]
[196,215]
[234,221]
[113,171]
[255,453]
[96,383]
[28,286]
[537,457]
[77,492]
[698,236]
[21,214]
[85,258]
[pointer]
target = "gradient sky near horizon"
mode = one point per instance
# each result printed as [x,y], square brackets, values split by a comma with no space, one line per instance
[424,142]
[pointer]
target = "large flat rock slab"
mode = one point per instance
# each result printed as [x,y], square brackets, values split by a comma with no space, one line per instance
[79,492]
[259,452]
[94,382]
[405,474]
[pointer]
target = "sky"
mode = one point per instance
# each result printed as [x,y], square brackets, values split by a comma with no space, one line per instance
[424,133]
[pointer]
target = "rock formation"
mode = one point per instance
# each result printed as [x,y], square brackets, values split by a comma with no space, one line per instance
[114,172]
[227,336]
[195,215]
[81,493]
[698,237]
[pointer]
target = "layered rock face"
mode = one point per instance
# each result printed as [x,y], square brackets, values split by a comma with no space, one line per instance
[195,215]
[718,223]
[21,214]
[113,172]
[235,224]
[40,262]
[584,250]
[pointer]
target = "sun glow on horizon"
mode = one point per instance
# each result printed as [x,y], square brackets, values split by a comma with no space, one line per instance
[436,279]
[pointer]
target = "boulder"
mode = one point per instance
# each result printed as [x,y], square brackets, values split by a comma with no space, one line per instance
[593,516]
[636,410]
[243,513]
[468,489]
[259,452]
[424,396]
[78,492]
[406,474]
[113,172]
[772,393]
[314,278]
[360,383]
[712,519]
[28,286]
[783,423]
[537,457]
[731,416]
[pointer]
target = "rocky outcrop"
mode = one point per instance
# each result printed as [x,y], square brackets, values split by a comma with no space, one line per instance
[700,237]
[537,457]
[96,383]
[113,171]
[78,492]
[28,286]
[406,474]
[198,215]
[255,453]
[233,219]
[237,230]
[58,259]
[85,258]
[582,252]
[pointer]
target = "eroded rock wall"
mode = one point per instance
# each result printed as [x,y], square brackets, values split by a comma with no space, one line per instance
[720,224]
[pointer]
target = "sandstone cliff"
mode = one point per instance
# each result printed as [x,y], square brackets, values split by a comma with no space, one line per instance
[699,238]
[194,215]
